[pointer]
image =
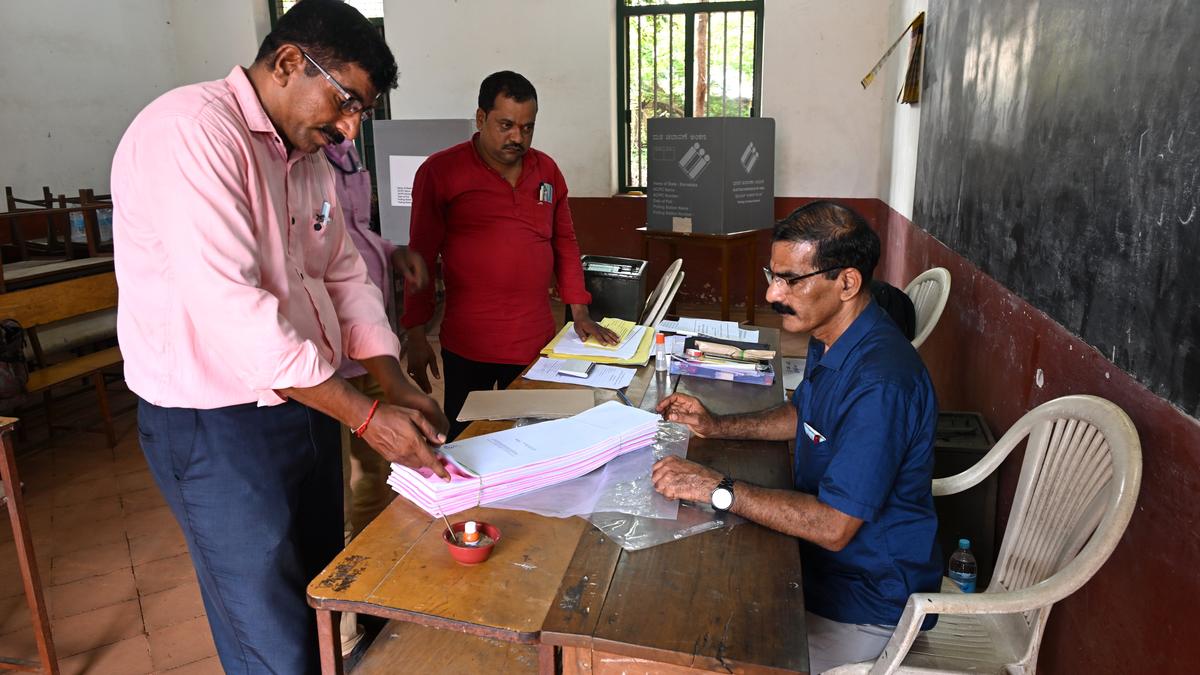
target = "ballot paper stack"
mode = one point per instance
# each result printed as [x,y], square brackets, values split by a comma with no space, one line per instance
[497,466]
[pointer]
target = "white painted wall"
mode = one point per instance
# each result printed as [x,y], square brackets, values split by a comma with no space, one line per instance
[213,35]
[73,75]
[901,123]
[826,125]
[828,128]
[566,48]
[75,72]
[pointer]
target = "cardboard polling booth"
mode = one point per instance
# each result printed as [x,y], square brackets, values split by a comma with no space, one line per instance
[711,175]
[401,146]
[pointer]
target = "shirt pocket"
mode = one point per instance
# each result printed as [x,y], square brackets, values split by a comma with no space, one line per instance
[317,241]
[538,216]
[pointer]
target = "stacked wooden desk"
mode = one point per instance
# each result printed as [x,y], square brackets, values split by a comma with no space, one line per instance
[557,595]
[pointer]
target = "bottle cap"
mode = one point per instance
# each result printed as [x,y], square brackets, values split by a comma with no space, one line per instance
[964,543]
[469,528]
[660,339]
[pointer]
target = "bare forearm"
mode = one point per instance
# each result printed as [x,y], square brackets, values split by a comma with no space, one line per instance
[334,397]
[798,514]
[387,372]
[773,424]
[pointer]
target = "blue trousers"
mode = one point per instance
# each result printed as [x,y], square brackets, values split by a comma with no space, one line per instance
[258,494]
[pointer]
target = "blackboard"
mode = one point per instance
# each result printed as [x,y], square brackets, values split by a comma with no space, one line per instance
[1060,152]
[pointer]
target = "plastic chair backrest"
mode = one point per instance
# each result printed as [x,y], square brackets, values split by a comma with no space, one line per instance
[1079,482]
[663,294]
[928,292]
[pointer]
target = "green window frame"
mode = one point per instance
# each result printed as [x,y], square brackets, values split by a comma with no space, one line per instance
[678,41]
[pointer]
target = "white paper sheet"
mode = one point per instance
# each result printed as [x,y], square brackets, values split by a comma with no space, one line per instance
[403,168]
[726,330]
[675,344]
[571,344]
[602,376]
[793,372]
[522,446]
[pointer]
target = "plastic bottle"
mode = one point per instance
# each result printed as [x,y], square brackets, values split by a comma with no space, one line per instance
[963,567]
[661,358]
[470,534]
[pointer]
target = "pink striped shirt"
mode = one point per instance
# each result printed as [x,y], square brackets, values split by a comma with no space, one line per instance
[228,290]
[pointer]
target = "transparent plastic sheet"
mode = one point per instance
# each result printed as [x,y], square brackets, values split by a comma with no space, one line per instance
[633,532]
[622,486]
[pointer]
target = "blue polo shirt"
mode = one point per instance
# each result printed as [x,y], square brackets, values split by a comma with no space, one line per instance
[864,445]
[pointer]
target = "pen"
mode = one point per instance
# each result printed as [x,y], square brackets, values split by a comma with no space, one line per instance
[324,218]
[625,399]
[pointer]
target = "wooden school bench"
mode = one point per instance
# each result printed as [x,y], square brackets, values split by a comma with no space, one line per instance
[41,305]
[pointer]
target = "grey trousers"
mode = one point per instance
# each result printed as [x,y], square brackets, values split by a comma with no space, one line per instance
[832,644]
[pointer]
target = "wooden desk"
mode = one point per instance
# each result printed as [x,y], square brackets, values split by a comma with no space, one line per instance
[726,243]
[728,598]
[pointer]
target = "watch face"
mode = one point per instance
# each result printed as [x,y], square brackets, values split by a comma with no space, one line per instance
[722,499]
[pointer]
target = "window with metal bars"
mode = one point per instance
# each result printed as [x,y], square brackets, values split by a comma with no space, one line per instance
[682,58]
[365,143]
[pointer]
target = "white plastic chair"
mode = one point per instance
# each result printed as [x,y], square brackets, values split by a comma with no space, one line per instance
[1078,484]
[663,295]
[928,292]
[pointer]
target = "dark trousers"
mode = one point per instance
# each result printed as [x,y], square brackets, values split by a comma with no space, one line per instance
[464,376]
[258,493]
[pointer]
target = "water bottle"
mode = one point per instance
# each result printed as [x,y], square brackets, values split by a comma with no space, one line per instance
[963,567]
[662,360]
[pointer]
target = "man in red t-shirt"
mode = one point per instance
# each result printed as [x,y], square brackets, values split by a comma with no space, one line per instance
[496,211]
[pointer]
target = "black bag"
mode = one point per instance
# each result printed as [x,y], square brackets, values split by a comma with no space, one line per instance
[14,368]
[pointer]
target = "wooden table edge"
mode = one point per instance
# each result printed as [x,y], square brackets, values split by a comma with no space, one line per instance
[698,661]
[429,620]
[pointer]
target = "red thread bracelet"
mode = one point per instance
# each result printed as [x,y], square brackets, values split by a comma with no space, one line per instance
[363,427]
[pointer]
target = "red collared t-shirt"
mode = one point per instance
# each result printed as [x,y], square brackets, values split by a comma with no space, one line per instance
[501,249]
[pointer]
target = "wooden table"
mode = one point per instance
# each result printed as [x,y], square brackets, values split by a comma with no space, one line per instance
[726,243]
[727,598]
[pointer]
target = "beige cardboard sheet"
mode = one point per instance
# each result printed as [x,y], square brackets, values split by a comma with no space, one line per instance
[515,403]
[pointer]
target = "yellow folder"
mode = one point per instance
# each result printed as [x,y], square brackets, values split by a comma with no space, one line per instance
[640,358]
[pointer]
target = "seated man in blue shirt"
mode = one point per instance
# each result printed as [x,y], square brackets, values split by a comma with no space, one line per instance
[863,421]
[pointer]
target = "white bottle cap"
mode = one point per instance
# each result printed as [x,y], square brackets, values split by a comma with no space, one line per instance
[469,528]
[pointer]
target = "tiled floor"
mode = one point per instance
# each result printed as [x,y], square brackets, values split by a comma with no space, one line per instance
[122,595]
[115,570]
[116,575]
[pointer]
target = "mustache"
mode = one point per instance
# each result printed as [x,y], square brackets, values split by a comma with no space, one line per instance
[781,308]
[335,136]
[511,146]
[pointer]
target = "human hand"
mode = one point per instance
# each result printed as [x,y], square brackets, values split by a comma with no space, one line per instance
[689,411]
[432,411]
[586,328]
[676,478]
[420,358]
[403,435]
[411,266]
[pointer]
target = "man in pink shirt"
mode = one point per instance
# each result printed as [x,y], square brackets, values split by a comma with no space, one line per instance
[241,294]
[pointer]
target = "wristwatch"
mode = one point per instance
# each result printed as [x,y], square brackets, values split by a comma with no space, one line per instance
[722,496]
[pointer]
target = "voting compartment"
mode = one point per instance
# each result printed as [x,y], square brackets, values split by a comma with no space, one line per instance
[401,146]
[711,175]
